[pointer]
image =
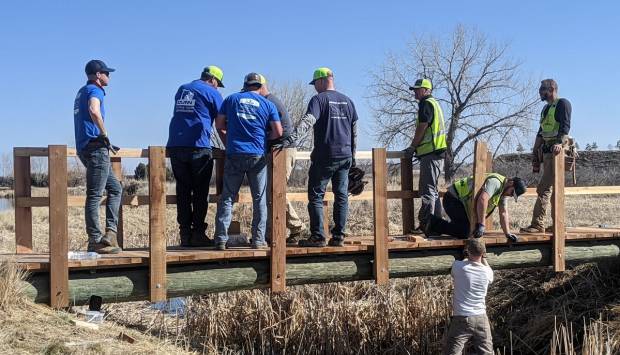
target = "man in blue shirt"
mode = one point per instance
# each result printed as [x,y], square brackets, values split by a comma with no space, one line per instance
[93,148]
[196,105]
[334,121]
[243,124]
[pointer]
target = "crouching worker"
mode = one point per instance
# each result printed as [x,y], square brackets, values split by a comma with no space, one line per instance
[469,321]
[456,203]
[243,124]
[93,148]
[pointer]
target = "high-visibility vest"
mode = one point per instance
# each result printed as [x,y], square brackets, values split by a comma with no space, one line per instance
[464,189]
[435,134]
[548,125]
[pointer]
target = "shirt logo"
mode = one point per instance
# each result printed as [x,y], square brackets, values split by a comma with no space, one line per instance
[186,102]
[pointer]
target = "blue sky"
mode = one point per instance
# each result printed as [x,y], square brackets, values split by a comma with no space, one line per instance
[158,45]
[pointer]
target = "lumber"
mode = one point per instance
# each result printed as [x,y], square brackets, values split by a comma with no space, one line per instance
[131,284]
[406,185]
[380,215]
[480,165]
[23,214]
[117,168]
[278,220]
[488,222]
[557,211]
[58,227]
[157,224]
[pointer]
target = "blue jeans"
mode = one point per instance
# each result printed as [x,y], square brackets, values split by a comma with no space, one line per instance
[336,170]
[99,177]
[236,167]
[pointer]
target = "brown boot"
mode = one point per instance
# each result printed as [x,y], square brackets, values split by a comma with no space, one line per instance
[101,248]
[110,239]
[532,229]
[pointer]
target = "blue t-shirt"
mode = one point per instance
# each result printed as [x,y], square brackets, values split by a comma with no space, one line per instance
[85,128]
[333,129]
[248,116]
[196,105]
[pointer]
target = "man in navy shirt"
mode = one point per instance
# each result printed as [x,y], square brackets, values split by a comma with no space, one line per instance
[196,104]
[334,121]
[92,143]
[243,124]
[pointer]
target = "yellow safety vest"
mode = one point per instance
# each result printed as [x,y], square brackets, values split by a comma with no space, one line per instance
[435,135]
[464,189]
[548,125]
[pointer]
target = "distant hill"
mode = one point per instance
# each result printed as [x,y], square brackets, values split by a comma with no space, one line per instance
[594,168]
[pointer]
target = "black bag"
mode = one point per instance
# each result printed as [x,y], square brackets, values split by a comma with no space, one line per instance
[356,181]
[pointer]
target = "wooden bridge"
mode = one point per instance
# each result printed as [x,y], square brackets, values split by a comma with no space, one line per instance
[158,272]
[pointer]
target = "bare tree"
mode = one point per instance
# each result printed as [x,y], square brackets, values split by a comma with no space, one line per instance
[295,97]
[479,86]
[7,165]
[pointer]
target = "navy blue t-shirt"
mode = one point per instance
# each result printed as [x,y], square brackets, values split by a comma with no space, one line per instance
[196,105]
[248,116]
[85,128]
[335,114]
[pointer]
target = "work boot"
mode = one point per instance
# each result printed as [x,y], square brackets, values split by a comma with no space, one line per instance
[260,245]
[101,248]
[532,229]
[199,239]
[220,246]
[336,242]
[186,240]
[293,239]
[110,238]
[313,242]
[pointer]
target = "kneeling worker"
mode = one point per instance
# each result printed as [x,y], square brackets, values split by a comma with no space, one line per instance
[456,203]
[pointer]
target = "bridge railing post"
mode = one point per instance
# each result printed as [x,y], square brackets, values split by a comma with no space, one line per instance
[480,165]
[406,185]
[58,226]
[557,210]
[157,223]
[488,222]
[23,215]
[278,220]
[380,216]
[117,168]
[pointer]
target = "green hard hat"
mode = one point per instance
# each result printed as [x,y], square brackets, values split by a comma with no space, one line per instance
[422,83]
[320,73]
[215,72]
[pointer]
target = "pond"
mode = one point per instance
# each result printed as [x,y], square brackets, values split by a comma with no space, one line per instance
[6,204]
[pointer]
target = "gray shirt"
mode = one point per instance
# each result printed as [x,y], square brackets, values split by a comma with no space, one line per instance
[285,120]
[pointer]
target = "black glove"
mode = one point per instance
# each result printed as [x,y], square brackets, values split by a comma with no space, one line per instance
[106,141]
[512,237]
[409,151]
[353,164]
[479,231]
[277,143]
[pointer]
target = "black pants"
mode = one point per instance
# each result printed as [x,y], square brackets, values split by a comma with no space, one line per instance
[192,169]
[458,226]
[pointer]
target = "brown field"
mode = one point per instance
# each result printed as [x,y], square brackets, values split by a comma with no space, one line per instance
[532,311]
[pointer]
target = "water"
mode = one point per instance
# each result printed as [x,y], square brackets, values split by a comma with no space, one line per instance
[6,204]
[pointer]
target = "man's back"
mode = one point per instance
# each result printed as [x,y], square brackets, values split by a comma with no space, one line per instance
[471,280]
[248,116]
[335,114]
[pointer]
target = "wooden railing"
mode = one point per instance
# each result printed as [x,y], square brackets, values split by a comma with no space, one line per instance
[157,199]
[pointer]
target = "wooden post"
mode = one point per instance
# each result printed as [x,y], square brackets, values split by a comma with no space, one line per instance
[23,215]
[406,184]
[379,182]
[557,210]
[278,220]
[157,223]
[480,165]
[488,222]
[59,226]
[117,168]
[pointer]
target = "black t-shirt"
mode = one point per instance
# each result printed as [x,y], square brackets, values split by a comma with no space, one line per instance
[285,119]
[563,111]
[333,129]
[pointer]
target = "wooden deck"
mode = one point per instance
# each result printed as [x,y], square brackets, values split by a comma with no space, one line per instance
[176,255]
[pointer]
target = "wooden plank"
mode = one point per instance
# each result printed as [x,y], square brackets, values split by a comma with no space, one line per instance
[278,221]
[480,164]
[359,155]
[488,222]
[157,223]
[406,185]
[557,210]
[59,227]
[380,216]
[30,151]
[117,168]
[23,214]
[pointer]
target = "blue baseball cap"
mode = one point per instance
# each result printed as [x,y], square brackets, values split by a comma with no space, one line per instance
[97,66]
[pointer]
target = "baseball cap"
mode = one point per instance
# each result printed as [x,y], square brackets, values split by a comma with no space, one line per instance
[215,72]
[320,73]
[422,83]
[254,79]
[520,187]
[97,66]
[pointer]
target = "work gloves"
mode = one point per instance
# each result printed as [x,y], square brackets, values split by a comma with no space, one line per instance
[106,141]
[479,231]
[512,237]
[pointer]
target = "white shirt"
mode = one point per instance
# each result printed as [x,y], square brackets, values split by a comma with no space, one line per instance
[471,280]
